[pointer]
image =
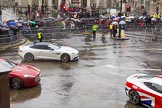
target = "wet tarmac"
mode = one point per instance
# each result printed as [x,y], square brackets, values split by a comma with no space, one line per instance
[95,81]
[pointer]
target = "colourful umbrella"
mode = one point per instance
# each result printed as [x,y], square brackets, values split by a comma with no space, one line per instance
[115,19]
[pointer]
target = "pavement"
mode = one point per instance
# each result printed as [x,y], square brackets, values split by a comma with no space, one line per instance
[23,41]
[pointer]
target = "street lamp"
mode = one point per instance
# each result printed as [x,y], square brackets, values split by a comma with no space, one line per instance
[121,2]
[120,14]
[42,7]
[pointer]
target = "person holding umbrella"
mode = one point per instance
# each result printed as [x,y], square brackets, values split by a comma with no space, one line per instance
[114,29]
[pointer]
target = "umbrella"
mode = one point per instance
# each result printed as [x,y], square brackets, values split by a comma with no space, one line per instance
[4,29]
[1,23]
[115,19]
[131,17]
[141,17]
[113,16]
[114,23]
[19,24]
[71,5]
[122,22]
[11,23]
[122,16]
[32,22]
[21,21]
[153,19]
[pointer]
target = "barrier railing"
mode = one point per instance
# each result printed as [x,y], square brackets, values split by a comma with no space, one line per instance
[56,31]
[8,39]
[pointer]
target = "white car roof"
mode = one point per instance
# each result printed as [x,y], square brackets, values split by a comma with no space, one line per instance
[145,78]
[43,43]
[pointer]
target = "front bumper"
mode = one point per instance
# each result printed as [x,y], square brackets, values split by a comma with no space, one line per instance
[75,57]
[28,82]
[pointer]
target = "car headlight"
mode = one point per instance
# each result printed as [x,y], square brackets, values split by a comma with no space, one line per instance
[28,76]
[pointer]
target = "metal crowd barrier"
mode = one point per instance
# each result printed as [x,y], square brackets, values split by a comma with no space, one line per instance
[145,32]
[48,33]
[8,40]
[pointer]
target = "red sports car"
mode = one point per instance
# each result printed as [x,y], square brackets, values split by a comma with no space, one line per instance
[21,75]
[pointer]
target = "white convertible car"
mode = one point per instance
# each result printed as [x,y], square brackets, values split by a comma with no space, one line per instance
[49,51]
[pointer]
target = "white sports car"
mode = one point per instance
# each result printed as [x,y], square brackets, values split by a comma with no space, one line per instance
[49,51]
[144,89]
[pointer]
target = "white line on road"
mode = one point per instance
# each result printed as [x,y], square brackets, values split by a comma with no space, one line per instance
[152,49]
[124,68]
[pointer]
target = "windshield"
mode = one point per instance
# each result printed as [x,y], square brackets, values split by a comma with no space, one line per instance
[153,86]
[8,64]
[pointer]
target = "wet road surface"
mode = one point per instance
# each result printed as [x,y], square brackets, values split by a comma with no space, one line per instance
[95,81]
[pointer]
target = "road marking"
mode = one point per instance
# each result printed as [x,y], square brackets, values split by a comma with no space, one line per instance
[124,68]
[153,49]
[117,74]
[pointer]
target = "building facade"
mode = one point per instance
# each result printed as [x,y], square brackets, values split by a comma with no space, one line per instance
[50,3]
[137,6]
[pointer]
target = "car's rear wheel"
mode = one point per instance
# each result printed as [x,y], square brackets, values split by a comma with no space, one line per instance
[29,57]
[134,97]
[65,58]
[16,83]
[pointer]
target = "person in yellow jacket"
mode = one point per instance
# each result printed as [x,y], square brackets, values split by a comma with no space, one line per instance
[111,30]
[39,36]
[94,29]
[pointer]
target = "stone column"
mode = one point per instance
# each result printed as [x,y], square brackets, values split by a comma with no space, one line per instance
[88,3]
[59,3]
[50,3]
[39,3]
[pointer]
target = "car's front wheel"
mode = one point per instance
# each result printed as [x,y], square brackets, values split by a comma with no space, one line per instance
[65,58]
[134,97]
[16,83]
[29,57]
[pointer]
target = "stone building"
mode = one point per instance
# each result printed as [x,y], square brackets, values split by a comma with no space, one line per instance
[156,7]
[137,6]
[50,3]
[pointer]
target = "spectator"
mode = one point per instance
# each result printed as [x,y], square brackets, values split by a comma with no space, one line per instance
[94,29]
[39,36]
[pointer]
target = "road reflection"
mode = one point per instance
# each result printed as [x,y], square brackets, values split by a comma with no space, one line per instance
[18,96]
[130,105]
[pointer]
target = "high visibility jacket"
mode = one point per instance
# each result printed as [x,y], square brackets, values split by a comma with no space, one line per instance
[39,35]
[94,28]
[111,27]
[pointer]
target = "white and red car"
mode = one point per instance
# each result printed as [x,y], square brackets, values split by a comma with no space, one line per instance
[145,89]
